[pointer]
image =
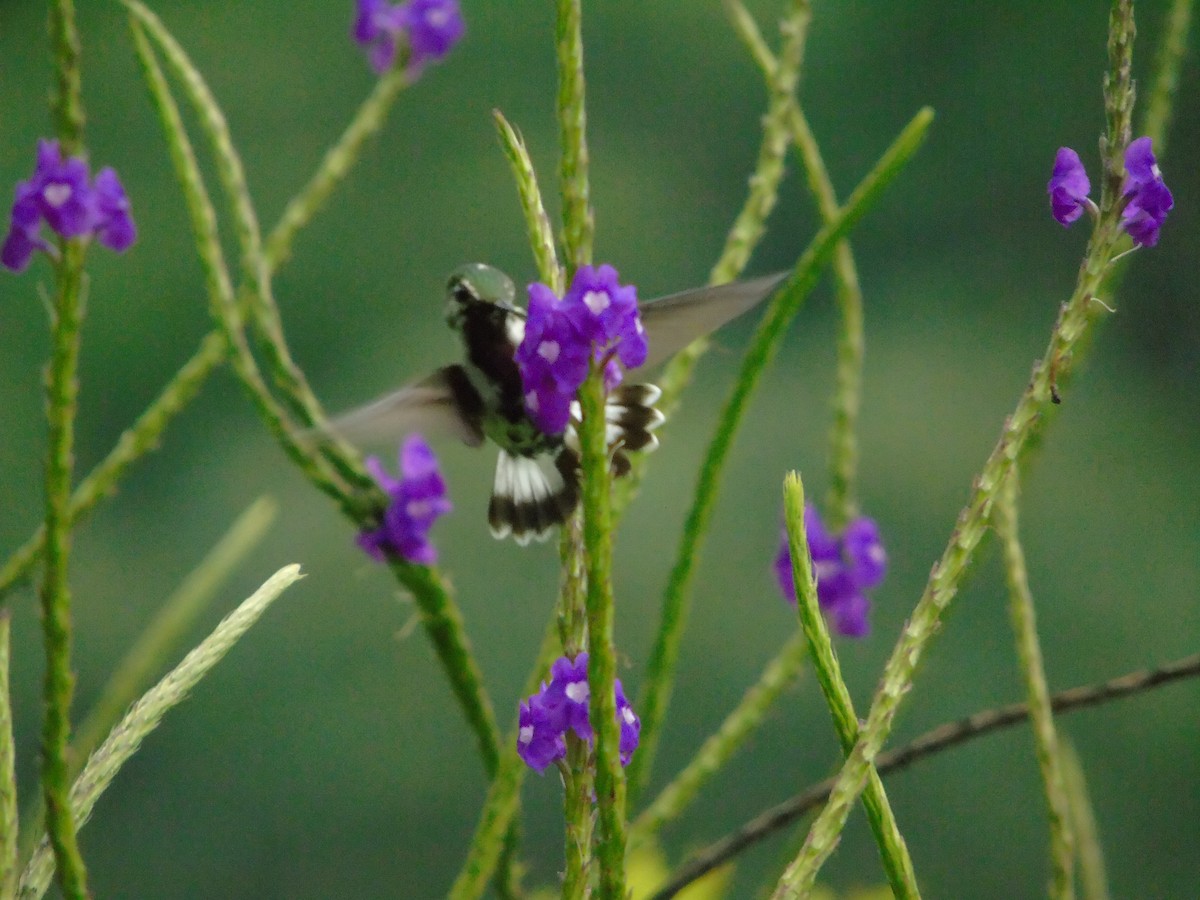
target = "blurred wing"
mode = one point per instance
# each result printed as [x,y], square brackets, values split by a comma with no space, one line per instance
[443,403]
[675,321]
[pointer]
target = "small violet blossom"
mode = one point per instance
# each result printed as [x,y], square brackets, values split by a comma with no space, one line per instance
[59,194]
[418,499]
[1149,199]
[431,28]
[1145,196]
[562,706]
[597,319]
[1068,187]
[845,566]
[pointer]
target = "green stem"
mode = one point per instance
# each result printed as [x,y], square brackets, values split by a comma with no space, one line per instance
[1093,879]
[67,102]
[503,798]
[1068,342]
[892,848]
[578,223]
[743,237]
[136,441]
[1029,651]
[62,389]
[225,309]
[779,674]
[440,616]
[1157,120]
[939,739]
[602,665]
[443,625]
[8,777]
[334,167]
[656,692]
[749,226]
[843,443]
[255,291]
[578,774]
[841,504]
[578,819]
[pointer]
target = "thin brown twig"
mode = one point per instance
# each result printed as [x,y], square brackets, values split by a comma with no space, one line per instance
[941,738]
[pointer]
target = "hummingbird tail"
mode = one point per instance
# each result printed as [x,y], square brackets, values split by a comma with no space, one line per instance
[532,494]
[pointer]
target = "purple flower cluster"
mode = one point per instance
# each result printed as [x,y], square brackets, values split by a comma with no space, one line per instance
[596,319]
[431,28]
[561,706]
[845,566]
[1146,198]
[418,499]
[62,195]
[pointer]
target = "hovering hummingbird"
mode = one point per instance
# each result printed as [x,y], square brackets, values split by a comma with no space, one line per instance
[537,474]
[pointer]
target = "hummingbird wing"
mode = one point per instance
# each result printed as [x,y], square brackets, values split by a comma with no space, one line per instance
[674,321]
[442,403]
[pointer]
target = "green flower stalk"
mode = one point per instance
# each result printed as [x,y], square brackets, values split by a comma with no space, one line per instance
[62,389]
[1068,341]
[8,777]
[764,345]
[841,504]
[579,226]
[779,674]
[61,392]
[892,848]
[602,668]
[1029,652]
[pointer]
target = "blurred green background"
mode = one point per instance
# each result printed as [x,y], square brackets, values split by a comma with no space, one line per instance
[325,757]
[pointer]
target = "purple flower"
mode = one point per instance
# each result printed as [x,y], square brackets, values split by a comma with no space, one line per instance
[845,566]
[597,319]
[553,359]
[566,697]
[377,27]
[418,499]
[631,725]
[607,312]
[539,743]
[562,706]
[434,27]
[1148,198]
[1068,187]
[431,28]
[112,222]
[59,195]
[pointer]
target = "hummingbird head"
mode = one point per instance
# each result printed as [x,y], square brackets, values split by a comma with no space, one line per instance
[473,284]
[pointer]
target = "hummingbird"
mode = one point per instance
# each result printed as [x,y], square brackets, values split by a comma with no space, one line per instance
[536,485]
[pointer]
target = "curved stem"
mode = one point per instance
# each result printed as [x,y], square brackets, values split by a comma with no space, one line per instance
[656,692]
